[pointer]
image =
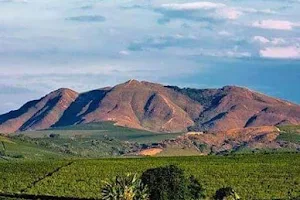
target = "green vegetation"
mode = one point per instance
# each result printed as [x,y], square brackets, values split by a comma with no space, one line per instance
[128,187]
[104,140]
[47,163]
[18,176]
[102,129]
[14,149]
[86,140]
[226,193]
[179,151]
[257,176]
[170,182]
[289,133]
[289,137]
[79,146]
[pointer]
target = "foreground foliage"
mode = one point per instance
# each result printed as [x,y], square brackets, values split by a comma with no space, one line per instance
[258,176]
[170,183]
[128,187]
[226,194]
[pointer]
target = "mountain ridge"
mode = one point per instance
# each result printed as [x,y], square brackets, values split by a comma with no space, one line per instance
[153,107]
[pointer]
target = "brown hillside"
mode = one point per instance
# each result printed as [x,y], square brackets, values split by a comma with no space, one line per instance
[38,114]
[139,105]
[154,107]
[235,107]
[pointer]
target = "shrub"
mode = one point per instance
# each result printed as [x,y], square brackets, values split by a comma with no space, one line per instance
[226,194]
[54,135]
[125,188]
[196,189]
[169,183]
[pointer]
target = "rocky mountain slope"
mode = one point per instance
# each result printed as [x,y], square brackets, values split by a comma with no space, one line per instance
[150,106]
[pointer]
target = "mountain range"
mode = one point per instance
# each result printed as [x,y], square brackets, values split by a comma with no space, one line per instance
[153,107]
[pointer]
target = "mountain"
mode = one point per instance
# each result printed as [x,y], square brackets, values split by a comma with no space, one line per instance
[38,114]
[234,107]
[154,107]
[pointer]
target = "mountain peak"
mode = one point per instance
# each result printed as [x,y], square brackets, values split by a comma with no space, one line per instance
[151,106]
[64,91]
[132,81]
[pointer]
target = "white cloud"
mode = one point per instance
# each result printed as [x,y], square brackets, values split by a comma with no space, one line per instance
[14,1]
[231,53]
[237,54]
[224,33]
[229,13]
[289,52]
[252,10]
[220,10]
[275,24]
[193,6]
[124,52]
[273,41]
[261,39]
[278,41]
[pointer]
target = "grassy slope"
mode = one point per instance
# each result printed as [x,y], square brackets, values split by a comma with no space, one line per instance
[290,133]
[86,140]
[253,176]
[178,151]
[96,130]
[16,150]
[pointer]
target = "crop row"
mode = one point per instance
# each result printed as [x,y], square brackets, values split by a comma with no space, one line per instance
[252,176]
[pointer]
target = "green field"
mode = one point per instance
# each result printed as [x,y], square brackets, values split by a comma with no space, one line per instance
[289,133]
[98,130]
[87,140]
[35,163]
[258,176]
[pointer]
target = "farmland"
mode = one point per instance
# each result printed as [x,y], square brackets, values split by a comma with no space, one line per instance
[258,176]
[100,129]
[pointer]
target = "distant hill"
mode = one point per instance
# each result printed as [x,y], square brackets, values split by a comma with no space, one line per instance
[153,107]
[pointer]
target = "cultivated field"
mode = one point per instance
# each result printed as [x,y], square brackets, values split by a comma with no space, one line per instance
[258,176]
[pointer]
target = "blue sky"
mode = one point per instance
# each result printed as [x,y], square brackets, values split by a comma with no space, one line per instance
[88,44]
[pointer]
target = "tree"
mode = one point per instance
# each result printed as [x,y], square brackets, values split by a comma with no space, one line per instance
[169,183]
[196,189]
[54,135]
[226,193]
[125,188]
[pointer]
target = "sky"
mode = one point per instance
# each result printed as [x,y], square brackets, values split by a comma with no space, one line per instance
[89,44]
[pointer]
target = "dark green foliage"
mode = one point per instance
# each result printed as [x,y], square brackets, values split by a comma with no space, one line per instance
[196,189]
[3,150]
[170,183]
[207,97]
[166,183]
[54,135]
[17,156]
[226,193]
[289,133]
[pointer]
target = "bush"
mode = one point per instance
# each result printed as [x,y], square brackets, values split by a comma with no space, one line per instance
[125,188]
[169,183]
[196,189]
[226,194]
[17,156]
[54,135]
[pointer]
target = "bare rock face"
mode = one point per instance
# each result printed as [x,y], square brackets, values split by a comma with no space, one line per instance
[154,107]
